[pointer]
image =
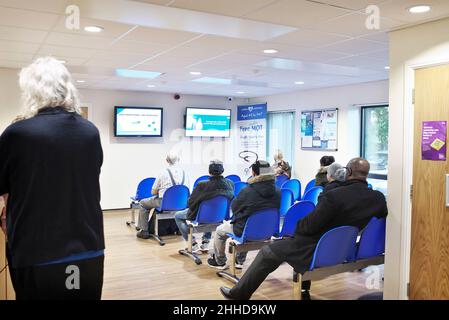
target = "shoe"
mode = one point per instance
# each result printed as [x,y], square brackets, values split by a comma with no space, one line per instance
[226,292]
[239,265]
[196,248]
[205,246]
[305,295]
[142,234]
[211,262]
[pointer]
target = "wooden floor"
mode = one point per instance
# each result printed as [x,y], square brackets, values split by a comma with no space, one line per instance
[141,269]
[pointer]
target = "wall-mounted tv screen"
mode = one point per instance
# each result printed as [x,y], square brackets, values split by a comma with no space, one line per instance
[138,122]
[208,122]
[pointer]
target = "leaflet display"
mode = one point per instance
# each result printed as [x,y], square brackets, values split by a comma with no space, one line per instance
[138,122]
[319,129]
[208,122]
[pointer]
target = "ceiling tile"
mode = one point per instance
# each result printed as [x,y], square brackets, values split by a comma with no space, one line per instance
[352,4]
[354,25]
[14,56]
[356,46]
[66,51]
[160,36]
[234,8]
[398,9]
[297,13]
[309,38]
[22,34]
[51,6]
[74,40]
[20,47]
[137,47]
[27,19]
[379,37]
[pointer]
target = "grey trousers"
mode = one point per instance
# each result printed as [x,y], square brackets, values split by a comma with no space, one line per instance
[220,244]
[147,205]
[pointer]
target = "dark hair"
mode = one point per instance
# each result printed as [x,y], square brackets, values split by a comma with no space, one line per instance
[259,164]
[216,168]
[327,161]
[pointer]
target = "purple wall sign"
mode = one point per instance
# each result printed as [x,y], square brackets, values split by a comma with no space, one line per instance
[433,144]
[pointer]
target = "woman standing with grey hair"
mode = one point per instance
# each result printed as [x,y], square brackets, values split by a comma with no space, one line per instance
[49,174]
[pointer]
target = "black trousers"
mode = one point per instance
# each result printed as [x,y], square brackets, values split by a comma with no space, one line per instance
[75,280]
[264,264]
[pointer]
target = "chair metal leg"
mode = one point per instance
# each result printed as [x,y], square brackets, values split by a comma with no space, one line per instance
[133,220]
[230,276]
[188,252]
[156,228]
[297,286]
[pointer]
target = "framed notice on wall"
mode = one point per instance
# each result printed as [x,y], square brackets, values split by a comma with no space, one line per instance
[319,130]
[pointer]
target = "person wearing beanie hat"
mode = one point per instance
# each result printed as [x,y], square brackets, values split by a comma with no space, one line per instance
[216,185]
[260,194]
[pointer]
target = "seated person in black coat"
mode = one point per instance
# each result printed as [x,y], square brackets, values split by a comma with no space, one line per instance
[352,204]
[217,185]
[336,175]
[261,193]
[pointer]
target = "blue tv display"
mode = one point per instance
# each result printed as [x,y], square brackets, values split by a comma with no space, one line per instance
[208,122]
[138,122]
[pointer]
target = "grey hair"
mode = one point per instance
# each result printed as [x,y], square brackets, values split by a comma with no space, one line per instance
[278,156]
[173,158]
[47,83]
[336,172]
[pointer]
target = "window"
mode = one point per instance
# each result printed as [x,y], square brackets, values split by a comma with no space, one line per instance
[374,144]
[281,128]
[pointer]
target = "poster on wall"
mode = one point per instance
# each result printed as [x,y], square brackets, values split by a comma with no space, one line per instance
[433,142]
[252,133]
[319,129]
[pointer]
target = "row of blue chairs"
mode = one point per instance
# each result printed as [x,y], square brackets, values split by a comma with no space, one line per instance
[233,177]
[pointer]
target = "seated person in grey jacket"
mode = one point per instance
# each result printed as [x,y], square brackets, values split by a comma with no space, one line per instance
[351,204]
[217,185]
[261,193]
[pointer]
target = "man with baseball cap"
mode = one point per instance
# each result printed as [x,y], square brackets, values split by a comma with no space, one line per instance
[216,185]
[260,194]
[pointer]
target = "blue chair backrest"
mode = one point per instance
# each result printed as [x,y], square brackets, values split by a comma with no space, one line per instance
[334,247]
[144,188]
[309,186]
[313,194]
[214,210]
[262,225]
[175,198]
[280,180]
[286,201]
[298,211]
[202,178]
[294,185]
[234,178]
[238,186]
[372,240]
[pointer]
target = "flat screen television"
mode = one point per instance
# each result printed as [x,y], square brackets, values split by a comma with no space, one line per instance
[138,122]
[208,122]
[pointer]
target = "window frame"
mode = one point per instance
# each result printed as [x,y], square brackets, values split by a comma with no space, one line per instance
[362,136]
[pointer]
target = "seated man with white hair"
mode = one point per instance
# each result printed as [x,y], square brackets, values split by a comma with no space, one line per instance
[173,175]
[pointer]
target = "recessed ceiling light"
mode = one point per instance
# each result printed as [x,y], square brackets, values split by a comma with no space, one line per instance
[95,29]
[419,9]
[195,73]
[270,51]
[151,86]
[240,92]
[299,82]
[387,67]
[80,81]
[137,74]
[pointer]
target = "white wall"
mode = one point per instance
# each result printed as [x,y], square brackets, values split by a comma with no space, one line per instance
[128,160]
[426,44]
[348,100]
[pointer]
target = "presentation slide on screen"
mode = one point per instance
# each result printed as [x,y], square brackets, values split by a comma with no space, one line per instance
[208,122]
[138,122]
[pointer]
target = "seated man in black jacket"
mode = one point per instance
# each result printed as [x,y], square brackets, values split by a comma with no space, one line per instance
[352,204]
[217,185]
[261,193]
